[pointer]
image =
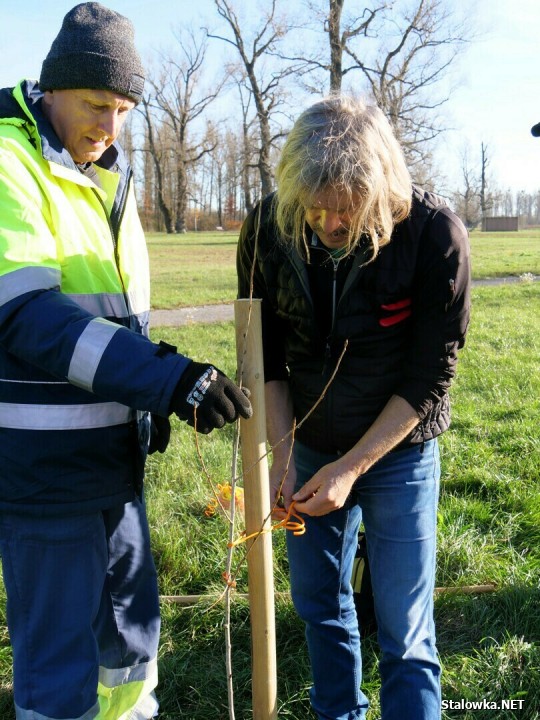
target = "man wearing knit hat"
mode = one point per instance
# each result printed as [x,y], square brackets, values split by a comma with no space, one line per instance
[84,393]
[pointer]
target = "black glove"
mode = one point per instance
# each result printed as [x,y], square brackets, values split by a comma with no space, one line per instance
[160,434]
[217,399]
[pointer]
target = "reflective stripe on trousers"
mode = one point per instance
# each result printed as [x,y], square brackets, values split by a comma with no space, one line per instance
[83,614]
[127,694]
[129,699]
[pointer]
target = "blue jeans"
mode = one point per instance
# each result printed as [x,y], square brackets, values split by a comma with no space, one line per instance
[397,501]
[83,613]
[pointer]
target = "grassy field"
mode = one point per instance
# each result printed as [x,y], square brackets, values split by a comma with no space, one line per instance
[489,531]
[489,519]
[192,269]
[199,268]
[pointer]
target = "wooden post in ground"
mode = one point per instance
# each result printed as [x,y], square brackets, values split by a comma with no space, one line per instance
[257,509]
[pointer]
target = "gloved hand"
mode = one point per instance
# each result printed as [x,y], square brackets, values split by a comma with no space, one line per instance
[217,399]
[160,434]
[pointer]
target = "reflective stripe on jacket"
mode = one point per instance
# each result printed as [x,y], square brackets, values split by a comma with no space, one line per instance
[74,310]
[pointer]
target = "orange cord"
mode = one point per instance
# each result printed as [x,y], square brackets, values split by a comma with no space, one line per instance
[229,581]
[297,527]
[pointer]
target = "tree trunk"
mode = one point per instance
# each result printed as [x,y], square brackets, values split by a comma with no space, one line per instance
[181,200]
[164,209]
[336,46]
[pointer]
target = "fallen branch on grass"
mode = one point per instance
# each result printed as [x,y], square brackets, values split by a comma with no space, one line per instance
[187,600]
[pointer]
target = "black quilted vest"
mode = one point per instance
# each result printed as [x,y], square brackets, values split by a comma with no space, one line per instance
[372,316]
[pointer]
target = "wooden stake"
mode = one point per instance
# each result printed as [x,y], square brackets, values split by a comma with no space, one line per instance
[257,512]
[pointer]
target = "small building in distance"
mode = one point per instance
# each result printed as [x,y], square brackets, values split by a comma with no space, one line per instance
[500,224]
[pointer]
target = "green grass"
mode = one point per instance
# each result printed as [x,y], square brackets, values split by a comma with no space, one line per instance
[192,269]
[199,268]
[505,254]
[489,531]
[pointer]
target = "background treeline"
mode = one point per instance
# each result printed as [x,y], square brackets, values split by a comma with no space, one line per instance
[220,101]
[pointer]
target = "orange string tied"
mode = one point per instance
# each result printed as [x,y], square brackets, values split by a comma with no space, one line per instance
[297,527]
[229,581]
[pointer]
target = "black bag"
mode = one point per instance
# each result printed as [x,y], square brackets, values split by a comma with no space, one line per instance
[362,592]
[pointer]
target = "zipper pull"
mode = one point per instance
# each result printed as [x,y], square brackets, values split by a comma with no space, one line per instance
[452,288]
[327,357]
[328,351]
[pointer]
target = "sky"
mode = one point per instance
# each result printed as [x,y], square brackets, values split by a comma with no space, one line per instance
[495,100]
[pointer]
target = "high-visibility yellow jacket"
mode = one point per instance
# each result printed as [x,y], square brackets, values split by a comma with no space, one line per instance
[77,370]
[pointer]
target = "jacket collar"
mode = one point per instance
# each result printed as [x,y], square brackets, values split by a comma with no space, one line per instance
[52,149]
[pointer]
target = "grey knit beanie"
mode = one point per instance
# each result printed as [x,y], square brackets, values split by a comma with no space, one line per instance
[94,49]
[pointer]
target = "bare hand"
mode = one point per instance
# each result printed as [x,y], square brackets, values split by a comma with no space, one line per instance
[282,482]
[326,491]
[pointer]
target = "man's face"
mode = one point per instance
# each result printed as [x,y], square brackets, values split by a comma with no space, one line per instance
[86,121]
[330,215]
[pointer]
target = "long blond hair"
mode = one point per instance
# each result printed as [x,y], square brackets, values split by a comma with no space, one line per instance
[344,144]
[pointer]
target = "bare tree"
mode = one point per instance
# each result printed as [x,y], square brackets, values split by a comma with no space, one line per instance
[503,202]
[524,205]
[485,199]
[403,49]
[175,104]
[252,48]
[248,149]
[155,147]
[341,32]
[340,39]
[417,49]
[536,205]
[467,198]
[234,174]
[216,181]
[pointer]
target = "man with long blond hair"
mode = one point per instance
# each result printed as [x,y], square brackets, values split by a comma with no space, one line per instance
[364,280]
